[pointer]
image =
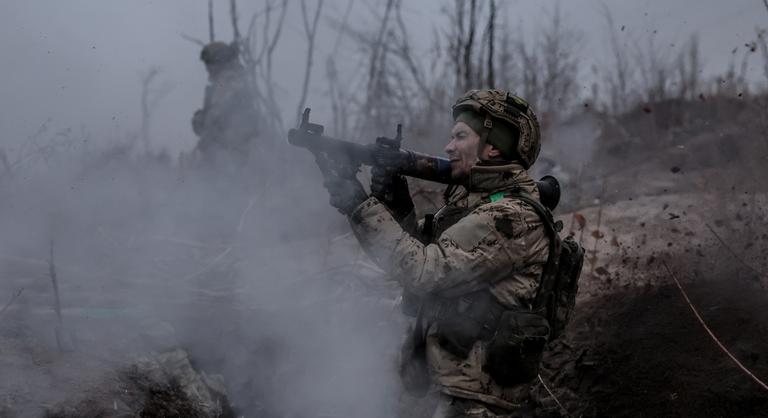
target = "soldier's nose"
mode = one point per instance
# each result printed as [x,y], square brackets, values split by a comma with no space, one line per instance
[449,148]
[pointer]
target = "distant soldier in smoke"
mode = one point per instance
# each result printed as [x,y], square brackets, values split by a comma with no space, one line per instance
[227,123]
[476,276]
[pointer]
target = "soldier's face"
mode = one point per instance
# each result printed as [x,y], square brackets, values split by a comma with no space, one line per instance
[462,150]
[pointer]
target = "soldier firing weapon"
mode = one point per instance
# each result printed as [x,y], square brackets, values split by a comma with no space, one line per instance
[347,158]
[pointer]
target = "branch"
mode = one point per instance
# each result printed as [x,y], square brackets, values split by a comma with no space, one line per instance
[146,104]
[5,163]
[469,44]
[310,32]
[276,35]
[404,52]
[459,22]
[272,44]
[57,301]
[254,57]
[211,34]
[343,25]
[193,40]
[491,34]
[621,69]
[16,294]
[377,45]
[233,16]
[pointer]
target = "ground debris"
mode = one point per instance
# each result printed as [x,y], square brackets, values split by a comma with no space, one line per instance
[163,385]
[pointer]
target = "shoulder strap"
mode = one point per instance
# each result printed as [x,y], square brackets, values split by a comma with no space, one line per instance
[550,268]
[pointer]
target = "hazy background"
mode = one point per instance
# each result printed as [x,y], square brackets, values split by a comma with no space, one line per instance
[254,273]
[78,62]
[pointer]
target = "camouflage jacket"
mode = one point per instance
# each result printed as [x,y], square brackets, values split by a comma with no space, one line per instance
[479,243]
[228,119]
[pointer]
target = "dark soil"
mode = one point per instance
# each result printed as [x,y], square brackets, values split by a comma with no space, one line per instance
[145,397]
[642,353]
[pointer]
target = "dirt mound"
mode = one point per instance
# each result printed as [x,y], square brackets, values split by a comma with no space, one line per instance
[163,385]
[642,353]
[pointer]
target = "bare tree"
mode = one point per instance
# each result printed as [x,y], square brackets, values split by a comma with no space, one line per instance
[618,81]
[557,46]
[257,55]
[529,67]
[376,107]
[506,60]
[458,23]
[469,45]
[5,163]
[338,94]
[61,341]
[689,70]
[655,69]
[765,3]
[404,51]
[762,43]
[211,33]
[491,37]
[233,17]
[310,30]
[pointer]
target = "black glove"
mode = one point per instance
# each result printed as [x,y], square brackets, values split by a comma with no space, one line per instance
[342,184]
[392,190]
[346,193]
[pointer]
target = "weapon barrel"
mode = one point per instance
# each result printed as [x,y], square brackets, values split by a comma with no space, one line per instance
[427,167]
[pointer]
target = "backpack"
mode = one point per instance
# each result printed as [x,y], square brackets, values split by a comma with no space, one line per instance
[560,279]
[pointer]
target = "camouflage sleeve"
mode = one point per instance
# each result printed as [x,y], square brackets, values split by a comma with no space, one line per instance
[483,247]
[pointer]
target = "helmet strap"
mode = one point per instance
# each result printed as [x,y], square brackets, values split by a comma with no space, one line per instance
[487,126]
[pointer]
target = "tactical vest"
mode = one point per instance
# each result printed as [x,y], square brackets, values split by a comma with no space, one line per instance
[515,338]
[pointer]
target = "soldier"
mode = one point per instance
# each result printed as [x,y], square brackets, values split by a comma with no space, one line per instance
[227,123]
[471,275]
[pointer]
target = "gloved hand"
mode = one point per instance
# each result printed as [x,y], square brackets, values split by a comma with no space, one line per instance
[346,192]
[392,190]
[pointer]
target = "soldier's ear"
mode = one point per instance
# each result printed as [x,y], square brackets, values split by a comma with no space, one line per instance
[492,152]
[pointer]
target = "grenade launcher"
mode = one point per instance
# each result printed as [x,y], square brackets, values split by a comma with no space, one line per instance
[409,163]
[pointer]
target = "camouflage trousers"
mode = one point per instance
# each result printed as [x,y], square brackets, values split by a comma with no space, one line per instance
[451,407]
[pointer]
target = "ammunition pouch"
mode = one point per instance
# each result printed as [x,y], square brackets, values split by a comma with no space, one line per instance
[515,340]
[463,321]
[514,353]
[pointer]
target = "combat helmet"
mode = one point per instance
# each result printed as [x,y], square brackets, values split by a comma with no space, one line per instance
[218,53]
[498,106]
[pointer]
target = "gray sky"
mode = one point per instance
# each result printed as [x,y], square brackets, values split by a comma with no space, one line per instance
[78,62]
